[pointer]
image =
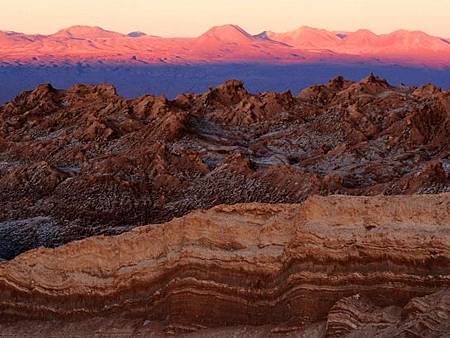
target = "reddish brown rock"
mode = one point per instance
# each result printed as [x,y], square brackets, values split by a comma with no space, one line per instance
[355,316]
[112,163]
[362,264]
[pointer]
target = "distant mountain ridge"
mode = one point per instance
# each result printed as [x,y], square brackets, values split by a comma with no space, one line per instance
[225,44]
[366,43]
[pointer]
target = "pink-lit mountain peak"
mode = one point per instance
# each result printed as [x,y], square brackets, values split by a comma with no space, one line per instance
[363,32]
[362,38]
[305,37]
[9,38]
[86,32]
[227,33]
[308,32]
[416,39]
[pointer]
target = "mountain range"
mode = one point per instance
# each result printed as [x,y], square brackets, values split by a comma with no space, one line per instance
[225,44]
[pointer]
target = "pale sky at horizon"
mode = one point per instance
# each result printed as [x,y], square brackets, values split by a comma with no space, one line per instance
[193,17]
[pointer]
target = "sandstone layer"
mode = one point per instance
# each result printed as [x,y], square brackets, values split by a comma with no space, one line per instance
[85,161]
[335,266]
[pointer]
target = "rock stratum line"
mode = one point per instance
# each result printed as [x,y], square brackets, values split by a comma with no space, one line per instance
[351,264]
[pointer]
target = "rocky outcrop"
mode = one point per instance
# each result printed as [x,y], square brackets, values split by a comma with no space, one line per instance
[96,163]
[355,316]
[358,263]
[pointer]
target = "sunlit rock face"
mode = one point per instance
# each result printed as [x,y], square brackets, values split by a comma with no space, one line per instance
[332,266]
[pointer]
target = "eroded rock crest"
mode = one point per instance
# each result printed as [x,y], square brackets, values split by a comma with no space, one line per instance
[93,162]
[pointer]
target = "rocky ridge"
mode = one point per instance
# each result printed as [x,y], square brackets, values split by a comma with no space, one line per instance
[85,161]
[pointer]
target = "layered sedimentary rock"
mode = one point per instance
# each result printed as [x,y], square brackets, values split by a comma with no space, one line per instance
[343,263]
[85,161]
[357,316]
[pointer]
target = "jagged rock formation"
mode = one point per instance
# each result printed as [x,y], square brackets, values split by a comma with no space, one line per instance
[333,265]
[85,161]
[357,316]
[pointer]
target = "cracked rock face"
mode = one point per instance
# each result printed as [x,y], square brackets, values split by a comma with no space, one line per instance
[333,266]
[96,163]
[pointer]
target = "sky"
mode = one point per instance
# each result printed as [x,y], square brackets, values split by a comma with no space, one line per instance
[193,17]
